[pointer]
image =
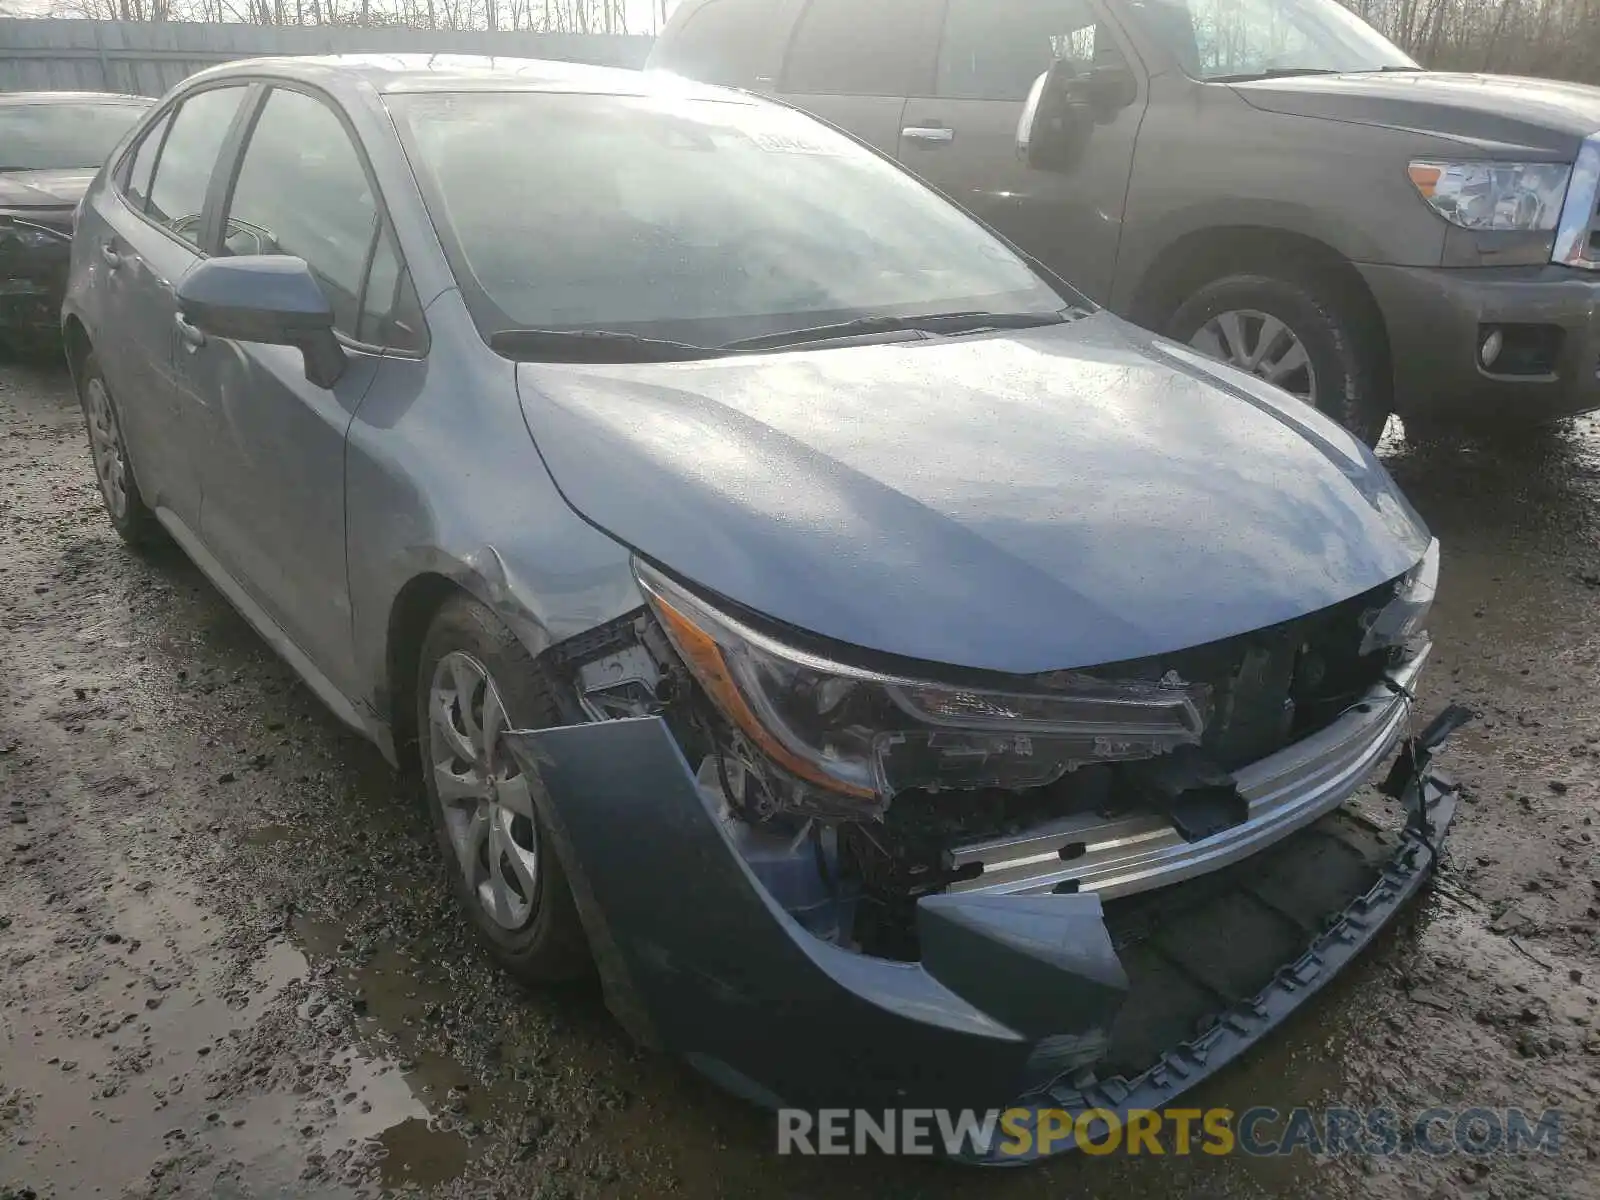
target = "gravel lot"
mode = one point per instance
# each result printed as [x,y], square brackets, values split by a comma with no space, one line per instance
[229,963]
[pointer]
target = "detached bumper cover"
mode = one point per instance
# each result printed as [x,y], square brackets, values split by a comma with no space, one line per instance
[1013,1001]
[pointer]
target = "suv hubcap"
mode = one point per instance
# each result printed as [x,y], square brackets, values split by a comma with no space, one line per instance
[487,803]
[1261,344]
[105,442]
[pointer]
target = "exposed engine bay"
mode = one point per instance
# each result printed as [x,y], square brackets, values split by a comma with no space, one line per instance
[849,856]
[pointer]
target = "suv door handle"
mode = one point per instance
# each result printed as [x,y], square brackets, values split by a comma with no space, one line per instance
[109,253]
[192,338]
[929,135]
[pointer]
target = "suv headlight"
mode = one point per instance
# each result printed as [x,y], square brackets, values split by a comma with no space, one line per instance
[1402,618]
[1494,195]
[871,735]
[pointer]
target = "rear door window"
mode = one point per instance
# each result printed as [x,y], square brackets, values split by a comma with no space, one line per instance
[188,157]
[851,48]
[302,190]
[995,51]
[136,185]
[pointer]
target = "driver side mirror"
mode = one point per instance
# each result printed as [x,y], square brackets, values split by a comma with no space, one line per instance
[1056,120]
[273,299]
[1110,87]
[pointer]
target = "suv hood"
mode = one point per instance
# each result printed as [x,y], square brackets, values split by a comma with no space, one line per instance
[1068,496]
[44,189]
[1493,111]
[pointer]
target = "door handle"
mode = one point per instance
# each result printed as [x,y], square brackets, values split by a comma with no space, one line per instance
[192,338]
[929,135]
[109,253]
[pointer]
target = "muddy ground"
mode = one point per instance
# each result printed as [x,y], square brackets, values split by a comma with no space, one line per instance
[229,964]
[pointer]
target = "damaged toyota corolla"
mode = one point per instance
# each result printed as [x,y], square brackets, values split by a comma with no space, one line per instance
[903,682]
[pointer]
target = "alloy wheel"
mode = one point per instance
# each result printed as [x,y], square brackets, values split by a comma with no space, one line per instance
[105,443]
[1261,344]
[486,801]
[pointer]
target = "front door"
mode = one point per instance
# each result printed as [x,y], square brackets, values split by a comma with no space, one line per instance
[960,134]
[274,468]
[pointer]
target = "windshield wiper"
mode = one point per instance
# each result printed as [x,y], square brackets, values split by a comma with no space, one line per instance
[593,346]
[940,323]
[1273,73]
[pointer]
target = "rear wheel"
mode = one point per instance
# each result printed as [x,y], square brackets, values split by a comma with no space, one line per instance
[1300,332]
[476,680]
[119,490]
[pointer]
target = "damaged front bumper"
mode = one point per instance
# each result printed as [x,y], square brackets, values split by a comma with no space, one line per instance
[1061,1000]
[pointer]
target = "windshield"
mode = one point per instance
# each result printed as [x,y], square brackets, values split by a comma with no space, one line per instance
[42,137]
[1243,39]
[701,221]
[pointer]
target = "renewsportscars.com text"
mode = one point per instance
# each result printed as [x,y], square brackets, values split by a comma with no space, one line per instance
[1019,1133]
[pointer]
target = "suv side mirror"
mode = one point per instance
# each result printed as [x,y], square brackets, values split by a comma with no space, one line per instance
[269,298]
[1056,120]
[1110,88]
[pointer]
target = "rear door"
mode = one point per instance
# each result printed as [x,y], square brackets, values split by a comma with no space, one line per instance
[274,464]
[146,238]
[960,128]
[854,64]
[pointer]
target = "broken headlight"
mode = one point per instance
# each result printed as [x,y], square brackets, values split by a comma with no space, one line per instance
[1402,618]
[871,735]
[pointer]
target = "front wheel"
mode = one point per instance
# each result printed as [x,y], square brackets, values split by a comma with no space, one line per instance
[1301,334]
[475,681]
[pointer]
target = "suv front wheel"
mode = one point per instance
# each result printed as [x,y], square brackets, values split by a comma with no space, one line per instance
[1298,333]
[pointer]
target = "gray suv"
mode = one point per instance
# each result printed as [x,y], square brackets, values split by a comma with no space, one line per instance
[1268,180]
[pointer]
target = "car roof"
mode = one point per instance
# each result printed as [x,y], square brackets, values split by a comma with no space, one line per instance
[392,73]
[72,98]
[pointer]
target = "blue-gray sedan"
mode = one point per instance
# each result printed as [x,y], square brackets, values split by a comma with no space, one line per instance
[904,683]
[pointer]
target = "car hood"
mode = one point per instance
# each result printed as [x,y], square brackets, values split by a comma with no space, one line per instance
[44,189]
[1493,111]
[1074,495]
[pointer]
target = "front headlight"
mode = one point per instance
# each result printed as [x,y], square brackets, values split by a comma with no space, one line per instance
[1402,618]
[871,735]
[1494,195]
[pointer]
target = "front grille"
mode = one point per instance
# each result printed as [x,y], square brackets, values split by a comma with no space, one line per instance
[1276,685]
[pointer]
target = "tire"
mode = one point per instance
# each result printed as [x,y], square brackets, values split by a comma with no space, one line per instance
[119,489]
[1343,373]
[523,910]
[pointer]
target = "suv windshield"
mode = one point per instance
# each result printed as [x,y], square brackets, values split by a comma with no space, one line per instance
[42,137]
[702,222]
[1245,39]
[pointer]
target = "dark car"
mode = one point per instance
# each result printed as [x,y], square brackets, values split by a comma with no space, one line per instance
[51,144]
[1270,181]
[841,632]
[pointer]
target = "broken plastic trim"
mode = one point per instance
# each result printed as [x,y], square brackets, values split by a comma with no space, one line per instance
[1402,618]
[871,735]
[726,978]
